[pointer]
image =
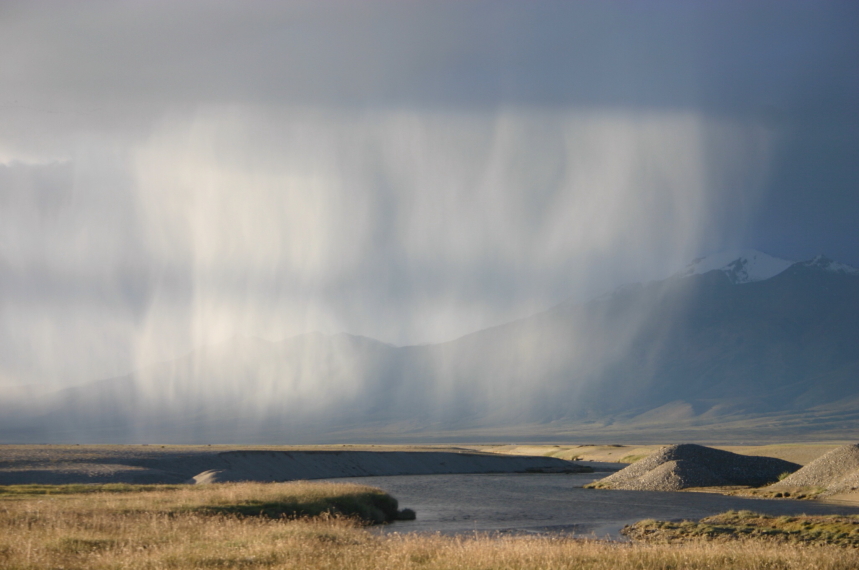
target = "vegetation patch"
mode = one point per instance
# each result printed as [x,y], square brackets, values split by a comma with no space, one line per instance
[80,489]
[632,458]
[71,545]
[272,500]
[771,492]
[734,525]
[368,505]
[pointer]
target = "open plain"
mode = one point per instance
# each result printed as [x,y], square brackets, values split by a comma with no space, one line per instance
[48,519]
[178,464]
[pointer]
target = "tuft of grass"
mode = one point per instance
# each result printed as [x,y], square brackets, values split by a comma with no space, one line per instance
[83,545]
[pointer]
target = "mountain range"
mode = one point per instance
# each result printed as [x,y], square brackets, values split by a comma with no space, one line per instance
[739,346]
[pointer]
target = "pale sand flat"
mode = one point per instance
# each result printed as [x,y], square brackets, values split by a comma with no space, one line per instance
[851,498]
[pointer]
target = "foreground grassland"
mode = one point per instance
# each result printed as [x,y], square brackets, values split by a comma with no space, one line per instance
[270,500]
[243,526]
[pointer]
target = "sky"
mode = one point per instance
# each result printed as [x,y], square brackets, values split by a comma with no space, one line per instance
[176,174]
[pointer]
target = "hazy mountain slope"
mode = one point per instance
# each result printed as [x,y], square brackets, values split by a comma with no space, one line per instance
[694,349]
[756,347]
[781,344]
[226,392]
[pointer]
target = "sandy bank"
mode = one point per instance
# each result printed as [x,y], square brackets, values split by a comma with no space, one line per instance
[295,465]
[180,464]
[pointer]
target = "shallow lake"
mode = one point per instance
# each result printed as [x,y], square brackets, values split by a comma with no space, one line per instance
[550,503]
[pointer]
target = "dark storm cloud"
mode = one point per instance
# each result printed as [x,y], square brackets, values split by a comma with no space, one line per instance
[776,57]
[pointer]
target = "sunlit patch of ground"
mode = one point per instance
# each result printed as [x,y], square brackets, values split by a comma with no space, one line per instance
[801,453]
[601,453]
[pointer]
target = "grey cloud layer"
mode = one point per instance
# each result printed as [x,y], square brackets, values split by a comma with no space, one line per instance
[736,56]
[173,174]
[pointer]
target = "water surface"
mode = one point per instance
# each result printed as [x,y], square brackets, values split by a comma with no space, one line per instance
[540,503]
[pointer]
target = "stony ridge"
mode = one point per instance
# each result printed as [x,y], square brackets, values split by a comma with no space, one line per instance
[836,471]
[687,465]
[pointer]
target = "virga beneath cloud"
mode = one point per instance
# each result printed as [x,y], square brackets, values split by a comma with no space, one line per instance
[408,227]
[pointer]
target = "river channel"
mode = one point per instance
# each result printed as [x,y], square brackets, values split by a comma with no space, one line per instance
[555,503]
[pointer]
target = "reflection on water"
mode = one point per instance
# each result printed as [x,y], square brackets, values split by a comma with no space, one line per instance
[526,503]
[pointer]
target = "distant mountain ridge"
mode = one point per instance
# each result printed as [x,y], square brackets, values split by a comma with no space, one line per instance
[744,266]
[743,347]
[748,266]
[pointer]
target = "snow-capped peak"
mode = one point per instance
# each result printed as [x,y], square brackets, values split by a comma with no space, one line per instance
[826,264]
[744,266]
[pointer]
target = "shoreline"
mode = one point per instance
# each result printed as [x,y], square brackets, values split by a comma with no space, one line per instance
[173,464]
[147,464]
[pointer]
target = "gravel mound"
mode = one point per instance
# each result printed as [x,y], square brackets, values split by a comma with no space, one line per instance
[677,475]
[837,471]
[688,465]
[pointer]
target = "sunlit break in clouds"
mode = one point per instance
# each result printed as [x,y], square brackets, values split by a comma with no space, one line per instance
[180,177]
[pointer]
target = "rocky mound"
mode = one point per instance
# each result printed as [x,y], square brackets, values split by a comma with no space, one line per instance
[836,471]
[687,465]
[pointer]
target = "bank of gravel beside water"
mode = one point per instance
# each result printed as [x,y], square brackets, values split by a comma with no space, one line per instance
[677,467]
[142,464]
[834,472]
[293,465]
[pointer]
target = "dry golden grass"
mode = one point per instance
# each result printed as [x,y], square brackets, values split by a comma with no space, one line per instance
[273,500]
[174,528]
